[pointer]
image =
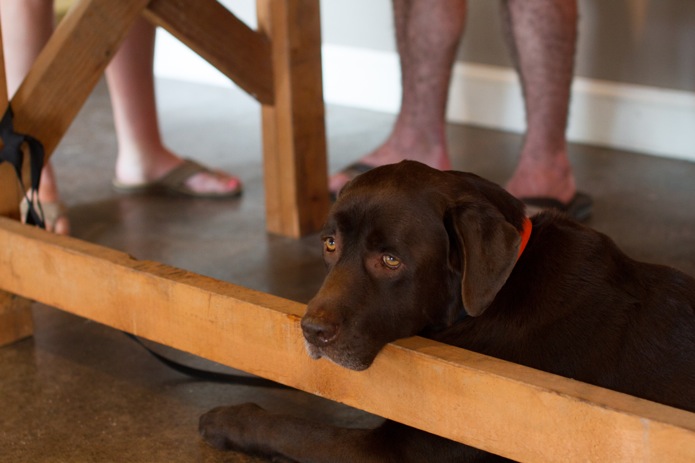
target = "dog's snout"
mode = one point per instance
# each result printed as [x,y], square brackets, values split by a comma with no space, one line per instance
[318,331]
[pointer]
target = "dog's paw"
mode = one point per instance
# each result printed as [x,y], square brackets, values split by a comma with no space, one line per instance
[232,428]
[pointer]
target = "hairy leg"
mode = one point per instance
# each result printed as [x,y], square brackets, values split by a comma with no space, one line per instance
[542,37]
[142,156]
[427,35]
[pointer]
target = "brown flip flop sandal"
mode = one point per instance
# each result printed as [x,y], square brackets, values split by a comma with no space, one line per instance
[175,183]
[51,212]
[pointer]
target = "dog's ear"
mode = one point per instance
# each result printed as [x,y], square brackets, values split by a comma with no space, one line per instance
[487,248]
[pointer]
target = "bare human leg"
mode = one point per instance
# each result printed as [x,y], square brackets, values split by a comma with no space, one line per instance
[26,27]
[542,37]
[427,34]
[142,156]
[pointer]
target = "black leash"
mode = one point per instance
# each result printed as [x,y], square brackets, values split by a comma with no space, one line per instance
[206,375]
[13,153]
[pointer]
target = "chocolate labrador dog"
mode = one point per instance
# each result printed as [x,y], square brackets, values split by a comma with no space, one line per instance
[448,255]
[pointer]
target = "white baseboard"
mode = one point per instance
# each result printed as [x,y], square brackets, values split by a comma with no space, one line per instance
[631,117]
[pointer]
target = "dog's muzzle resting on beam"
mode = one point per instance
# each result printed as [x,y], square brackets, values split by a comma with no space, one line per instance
[451,256]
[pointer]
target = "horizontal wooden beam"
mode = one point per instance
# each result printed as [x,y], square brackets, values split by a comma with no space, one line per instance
[218,36]
[505,408]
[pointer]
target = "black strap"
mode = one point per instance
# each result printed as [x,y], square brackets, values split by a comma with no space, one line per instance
[12,152]
[211,376]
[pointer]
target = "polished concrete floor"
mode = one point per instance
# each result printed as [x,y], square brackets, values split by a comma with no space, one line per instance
[81,392]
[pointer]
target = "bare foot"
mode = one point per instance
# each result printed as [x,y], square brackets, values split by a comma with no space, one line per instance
[134,170]
[59,223]
[535,177]
[396,149]
[55,217]
[213,182]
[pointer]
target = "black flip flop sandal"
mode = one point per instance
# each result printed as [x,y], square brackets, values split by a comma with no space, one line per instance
[352,171]
[579,208]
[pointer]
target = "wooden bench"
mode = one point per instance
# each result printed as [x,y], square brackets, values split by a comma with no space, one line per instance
[505,408]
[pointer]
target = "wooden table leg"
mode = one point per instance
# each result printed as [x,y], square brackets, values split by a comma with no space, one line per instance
[15,311]
[15,318]
[294,138]
[48,100]
[280,66]
[294,134]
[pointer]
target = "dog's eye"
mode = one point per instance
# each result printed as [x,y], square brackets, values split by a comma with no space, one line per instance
[390,261]
[329,244]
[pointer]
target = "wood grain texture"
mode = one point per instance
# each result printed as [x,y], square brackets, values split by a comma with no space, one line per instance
[15,318]
[501,407]
[294,133]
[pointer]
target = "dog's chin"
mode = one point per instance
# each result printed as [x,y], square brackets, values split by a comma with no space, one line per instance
[339,357]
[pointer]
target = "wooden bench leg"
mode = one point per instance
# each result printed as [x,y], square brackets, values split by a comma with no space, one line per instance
[280,66]
[15,311]
[15,318]
[49,99]
[294,134]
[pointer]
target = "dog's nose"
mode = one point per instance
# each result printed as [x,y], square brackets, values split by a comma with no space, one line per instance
[318,331]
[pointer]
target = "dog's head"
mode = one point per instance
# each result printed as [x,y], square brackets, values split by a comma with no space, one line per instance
[407,248]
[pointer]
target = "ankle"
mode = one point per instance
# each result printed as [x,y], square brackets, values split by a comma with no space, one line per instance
[541,178]
[412,146]
[145,166]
